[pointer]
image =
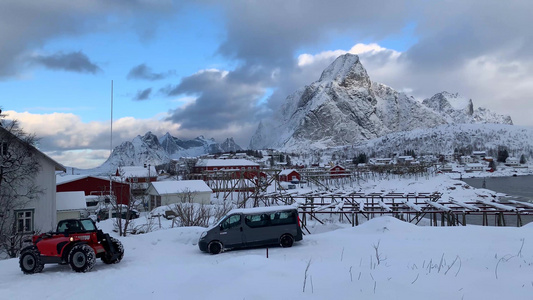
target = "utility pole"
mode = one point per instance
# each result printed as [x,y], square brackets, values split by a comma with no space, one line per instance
[111,144]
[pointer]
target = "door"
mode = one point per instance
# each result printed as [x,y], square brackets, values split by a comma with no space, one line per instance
[231,231]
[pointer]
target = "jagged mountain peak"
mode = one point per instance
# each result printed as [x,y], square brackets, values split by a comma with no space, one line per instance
[149,149]
[346,70]
[229,145]
[151,140]
[460,110]
[345,107]
[445,102]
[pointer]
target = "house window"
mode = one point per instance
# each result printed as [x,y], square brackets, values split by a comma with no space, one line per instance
[135,179]
[24,220]
[155,201]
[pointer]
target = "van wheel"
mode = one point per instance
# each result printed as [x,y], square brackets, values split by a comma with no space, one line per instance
[286,241]
[215,247]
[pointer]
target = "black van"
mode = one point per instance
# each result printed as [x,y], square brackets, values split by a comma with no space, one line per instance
[252,227]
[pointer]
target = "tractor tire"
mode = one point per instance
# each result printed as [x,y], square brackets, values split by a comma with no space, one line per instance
[117,245]
[82,258]
[214,247]
[286,241]
[30,260]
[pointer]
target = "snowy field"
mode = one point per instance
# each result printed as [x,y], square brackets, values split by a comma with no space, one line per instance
[383,258]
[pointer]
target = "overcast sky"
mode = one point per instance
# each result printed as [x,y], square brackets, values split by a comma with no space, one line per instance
[215,68]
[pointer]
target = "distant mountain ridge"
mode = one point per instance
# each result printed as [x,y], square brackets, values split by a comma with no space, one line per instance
[149,149]
[345,107]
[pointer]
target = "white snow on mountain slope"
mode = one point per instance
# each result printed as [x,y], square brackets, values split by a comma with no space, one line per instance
[447,138]
[460,110]
[149,149]
[344,106]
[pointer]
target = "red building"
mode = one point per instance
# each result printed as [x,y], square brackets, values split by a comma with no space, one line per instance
[338,171]
[234,167]
[93,186]
[290,175]
[139,177]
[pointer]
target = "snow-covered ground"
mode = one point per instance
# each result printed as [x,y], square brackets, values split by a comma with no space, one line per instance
[383,258]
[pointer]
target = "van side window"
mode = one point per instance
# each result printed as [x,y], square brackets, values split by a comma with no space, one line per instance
[283,218]
[230,222]
[258,220]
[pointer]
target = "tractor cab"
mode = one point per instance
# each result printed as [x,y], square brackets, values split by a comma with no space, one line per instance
[76,226]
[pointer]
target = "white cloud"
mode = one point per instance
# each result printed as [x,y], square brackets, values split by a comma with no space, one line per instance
[71,141]
[501,85]
[359,49]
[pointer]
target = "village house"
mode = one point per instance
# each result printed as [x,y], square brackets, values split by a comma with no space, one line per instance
[380,161]
[404,160]
[474,167]
[38,213]
[168,192]
[94,186]
[479,155]
[449,157]
[338,171]
[71,205]
[289,175]
[512,161]
[226,168]
[466,159]
[139,177]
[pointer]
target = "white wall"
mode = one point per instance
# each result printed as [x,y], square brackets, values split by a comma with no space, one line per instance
[45,218]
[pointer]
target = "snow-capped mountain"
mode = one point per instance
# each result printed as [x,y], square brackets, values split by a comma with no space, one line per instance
[149,149]
[344,107]
[449,138]
[460,110]
[229,145]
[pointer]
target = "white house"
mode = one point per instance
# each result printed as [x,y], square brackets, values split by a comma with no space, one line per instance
[38,213]
[475,167]
[404,160]
[380,161]
[71,205]
[512,161]
[449,157]
[168,192]
[466,159]
[479,154]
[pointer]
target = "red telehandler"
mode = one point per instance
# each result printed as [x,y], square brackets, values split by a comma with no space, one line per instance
[75,242]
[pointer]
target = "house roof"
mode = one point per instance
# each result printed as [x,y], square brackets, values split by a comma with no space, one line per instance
[62,179]
[57,166]
[177,187]
[225,163]
[287,172]
[137,171]
[70,201]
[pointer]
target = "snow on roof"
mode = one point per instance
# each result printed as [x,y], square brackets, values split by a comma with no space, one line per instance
[261,209]
[70,201]
[137,171]
[62,179]
[176,187]
[475,165]
[287,171]
[225,163]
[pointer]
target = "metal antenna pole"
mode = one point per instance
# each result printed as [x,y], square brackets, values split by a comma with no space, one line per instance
[111,144]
